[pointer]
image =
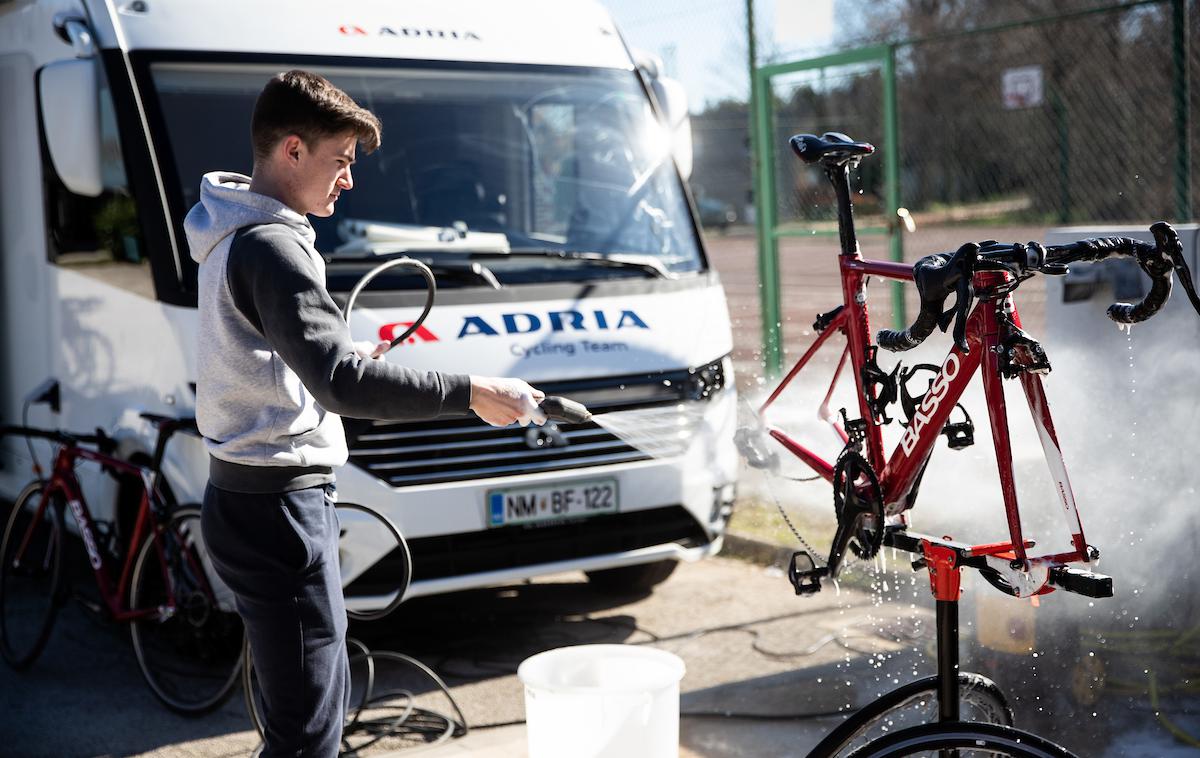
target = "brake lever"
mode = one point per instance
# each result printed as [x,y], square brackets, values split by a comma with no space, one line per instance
[1166,239]
[965,294]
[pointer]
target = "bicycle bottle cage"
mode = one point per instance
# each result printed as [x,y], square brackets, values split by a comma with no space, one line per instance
[959,434]
[872,376]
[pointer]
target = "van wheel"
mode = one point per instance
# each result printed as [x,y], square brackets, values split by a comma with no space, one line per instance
[638,578]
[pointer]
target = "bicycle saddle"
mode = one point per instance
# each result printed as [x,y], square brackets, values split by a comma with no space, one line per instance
[830,147]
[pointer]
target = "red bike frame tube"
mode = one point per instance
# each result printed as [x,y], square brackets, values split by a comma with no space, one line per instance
[886,269]
[63,481]
[858,337]
[916,444]
[1040,409]
[993,391]
[835,325]
[823,410]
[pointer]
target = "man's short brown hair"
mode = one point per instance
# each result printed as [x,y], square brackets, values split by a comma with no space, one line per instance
[308,105]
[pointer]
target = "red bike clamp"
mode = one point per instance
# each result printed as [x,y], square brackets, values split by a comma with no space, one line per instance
[945,576]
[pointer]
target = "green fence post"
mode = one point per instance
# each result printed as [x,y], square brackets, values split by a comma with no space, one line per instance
[768,244]
[891,174]
[1183,159]
[762,176]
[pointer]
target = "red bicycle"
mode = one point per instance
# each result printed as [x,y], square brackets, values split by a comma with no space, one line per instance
[185,633]
[874,490]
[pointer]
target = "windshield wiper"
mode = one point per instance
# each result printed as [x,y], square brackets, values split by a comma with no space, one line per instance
[435,262]
[647,263]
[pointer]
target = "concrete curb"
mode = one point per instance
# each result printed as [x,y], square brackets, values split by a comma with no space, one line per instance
[756,551]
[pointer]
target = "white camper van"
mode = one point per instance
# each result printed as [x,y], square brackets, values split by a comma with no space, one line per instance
[526,159]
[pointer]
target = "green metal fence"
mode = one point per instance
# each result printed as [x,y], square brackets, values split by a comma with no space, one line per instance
[1084,117]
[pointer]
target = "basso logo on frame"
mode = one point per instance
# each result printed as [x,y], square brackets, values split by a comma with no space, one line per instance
[411,32]
[929,405]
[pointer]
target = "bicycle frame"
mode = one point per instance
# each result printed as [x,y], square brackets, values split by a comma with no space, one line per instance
[63,481]
[900,473]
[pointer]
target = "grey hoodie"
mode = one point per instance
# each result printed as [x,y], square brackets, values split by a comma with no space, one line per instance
[276,361]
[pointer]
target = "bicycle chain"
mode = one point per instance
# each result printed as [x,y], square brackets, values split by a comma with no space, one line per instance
[848,560]
[803,542]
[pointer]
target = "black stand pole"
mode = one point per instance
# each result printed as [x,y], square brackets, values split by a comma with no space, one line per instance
[947,654]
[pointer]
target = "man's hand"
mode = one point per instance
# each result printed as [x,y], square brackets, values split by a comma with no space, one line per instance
[501,401]
[370,349]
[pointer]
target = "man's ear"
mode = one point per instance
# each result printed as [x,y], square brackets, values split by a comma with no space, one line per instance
[292,149]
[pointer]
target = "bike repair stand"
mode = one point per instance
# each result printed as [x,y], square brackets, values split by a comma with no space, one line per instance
[945,578]
[944,559]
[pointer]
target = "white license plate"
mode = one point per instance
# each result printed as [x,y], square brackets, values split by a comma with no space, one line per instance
[552,502]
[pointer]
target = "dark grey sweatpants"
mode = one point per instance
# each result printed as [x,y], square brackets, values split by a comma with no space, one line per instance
[278,553]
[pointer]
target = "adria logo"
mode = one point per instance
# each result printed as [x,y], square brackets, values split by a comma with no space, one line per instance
[555,321]
[388,332]
[412,32]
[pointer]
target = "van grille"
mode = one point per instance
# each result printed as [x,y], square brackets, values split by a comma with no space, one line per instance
[451,450]
[515,546]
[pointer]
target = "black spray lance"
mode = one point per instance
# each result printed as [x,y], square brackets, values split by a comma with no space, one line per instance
[564,410]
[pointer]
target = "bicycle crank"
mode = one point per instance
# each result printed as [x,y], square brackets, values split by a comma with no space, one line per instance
[858,504]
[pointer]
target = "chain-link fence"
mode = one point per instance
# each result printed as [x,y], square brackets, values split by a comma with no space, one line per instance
[1075,118]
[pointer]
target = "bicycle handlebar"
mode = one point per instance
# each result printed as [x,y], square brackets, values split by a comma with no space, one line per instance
[937,276]
[101,440]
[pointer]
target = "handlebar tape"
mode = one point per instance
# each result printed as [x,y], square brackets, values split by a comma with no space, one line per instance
[1157,260]
[1125,313]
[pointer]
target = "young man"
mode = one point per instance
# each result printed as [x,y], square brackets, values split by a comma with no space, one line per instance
[277,369]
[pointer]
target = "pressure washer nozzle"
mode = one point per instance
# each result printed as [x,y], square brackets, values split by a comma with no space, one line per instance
[567,411]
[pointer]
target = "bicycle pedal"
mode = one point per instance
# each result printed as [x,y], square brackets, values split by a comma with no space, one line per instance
[804,574]
[959,436]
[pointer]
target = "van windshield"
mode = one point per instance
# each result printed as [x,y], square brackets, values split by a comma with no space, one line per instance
[482,161]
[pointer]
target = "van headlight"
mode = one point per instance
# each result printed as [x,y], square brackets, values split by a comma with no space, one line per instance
[706,381]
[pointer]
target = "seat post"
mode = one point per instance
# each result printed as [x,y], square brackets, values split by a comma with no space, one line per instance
[839,175]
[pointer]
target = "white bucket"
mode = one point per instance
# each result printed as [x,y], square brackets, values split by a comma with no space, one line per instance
[602,701]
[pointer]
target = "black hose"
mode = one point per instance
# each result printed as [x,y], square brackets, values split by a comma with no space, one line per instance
[431,293]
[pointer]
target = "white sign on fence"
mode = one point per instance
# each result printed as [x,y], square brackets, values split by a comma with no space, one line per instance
[1022,87]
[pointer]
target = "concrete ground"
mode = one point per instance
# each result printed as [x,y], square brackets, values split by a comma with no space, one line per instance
[762,665]
[750,646]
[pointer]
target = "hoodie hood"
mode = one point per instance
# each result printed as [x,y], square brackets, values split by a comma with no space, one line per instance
[226,205]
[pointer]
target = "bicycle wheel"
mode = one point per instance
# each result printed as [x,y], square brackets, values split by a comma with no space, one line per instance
[964,740]
[30,574]
[191,655]
[980,701]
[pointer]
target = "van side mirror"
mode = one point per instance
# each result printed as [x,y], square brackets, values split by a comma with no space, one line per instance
[672,97]
[71,118]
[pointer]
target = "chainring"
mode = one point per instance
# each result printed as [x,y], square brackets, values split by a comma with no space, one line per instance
[857,497]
